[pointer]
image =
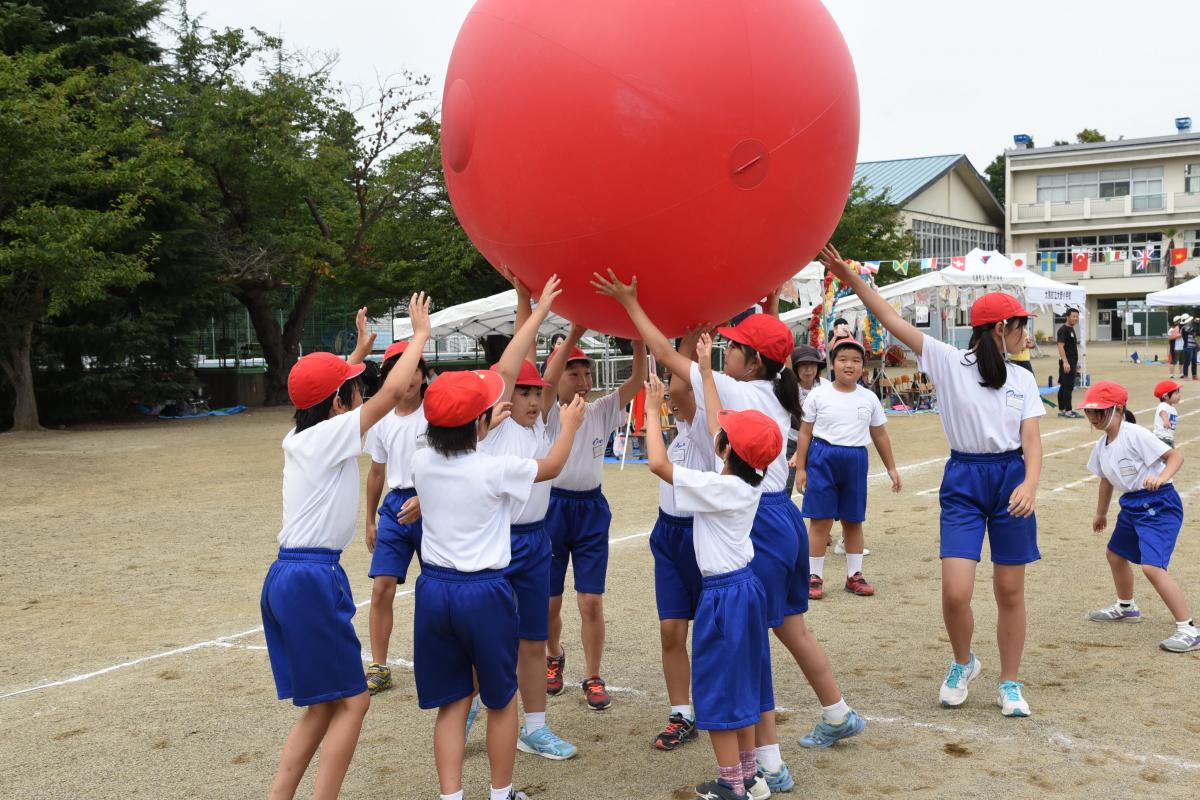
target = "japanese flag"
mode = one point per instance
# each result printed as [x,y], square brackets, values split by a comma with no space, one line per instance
[1018,260]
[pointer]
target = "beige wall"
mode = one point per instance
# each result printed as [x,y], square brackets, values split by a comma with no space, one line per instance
[950,200]
[1024,180]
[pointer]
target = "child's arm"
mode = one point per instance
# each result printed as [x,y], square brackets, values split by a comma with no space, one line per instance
[803,441]
[1174,460]
[637,378]
[883,445]
[509,365]
[883,311]
[712,399]
[524,308]
[1024,497]
[383,401]
[1100,520]
[681,384]
[1166,419]
[659,345]
[376,477]
[557,366]
[365,341]
[656,448]
[771,302]
[569,421]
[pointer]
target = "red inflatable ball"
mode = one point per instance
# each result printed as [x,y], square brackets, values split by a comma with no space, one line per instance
[706,147]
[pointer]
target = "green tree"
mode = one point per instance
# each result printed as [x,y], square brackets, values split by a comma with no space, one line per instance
[1170,233]
[84,33]
[873,228]
[1089,135]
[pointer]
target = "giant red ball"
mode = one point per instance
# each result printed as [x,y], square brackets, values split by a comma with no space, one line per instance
[706,147]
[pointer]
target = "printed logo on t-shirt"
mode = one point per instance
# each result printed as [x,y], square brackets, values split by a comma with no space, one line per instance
[1014,399]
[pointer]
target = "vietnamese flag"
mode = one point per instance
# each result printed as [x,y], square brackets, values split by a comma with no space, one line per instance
[959,263]
[639,410]
[1178,256]
[1079,261]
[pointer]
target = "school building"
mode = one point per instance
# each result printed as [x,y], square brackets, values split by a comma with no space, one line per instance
[1120,203]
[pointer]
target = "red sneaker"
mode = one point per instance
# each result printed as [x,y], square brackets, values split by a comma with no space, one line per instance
[816,588]
[554,674]
[596,693]
[857,584]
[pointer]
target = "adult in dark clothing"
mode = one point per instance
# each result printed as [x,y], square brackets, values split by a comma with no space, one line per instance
[1187,332]
[1068,363]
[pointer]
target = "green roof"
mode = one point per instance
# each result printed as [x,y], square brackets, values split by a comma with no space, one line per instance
[903,178]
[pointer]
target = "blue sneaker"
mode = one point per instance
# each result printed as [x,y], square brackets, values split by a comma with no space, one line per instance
[545,743]
[780,780]
[471,715]
[825,734]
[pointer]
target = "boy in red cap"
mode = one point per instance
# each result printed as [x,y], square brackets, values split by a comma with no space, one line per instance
[1166,418]
[1130,459]
[989,411]
[730,615]
[465,622]
[578,517]
[394,536]
[307,607]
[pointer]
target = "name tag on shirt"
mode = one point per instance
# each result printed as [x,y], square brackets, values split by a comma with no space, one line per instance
[597,448]
[1128,470]
[1015,400]
[864,413]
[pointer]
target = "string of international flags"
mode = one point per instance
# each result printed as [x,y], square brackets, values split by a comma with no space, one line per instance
[1047,260]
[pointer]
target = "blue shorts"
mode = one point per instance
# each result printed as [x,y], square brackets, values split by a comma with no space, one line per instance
[837,482]
[395,543]
[780,556]
[974,494]
[464,620]
[1148,526]
[676,576]
[578,526]
[308,614]
[731,653]
[529,575]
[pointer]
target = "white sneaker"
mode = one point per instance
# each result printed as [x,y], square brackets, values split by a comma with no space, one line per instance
[958,678]
[1011,700]
[1115,613]
[759,789]
[1182,641]
[840,548]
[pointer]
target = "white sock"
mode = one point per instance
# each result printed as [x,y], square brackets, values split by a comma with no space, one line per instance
[456,796]
[816,566]
[534,721]
[836,713]
[1185,625]
[768,756]
[685,710]
[853,564]
[1128,602]
[500,794]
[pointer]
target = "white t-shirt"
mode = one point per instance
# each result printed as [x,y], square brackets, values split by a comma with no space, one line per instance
[393,441]
[692,448]
[468,503]
[320,483]
[511,438]
[585,464]
[794,433]
[722,509]
[743,395]
[1129,459]
[843,418]
[977,419]
[1165,432]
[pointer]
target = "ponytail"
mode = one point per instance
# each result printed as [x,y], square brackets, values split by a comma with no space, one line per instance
[1129,417]
[993,369]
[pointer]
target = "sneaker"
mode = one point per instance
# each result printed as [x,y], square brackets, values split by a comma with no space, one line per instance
[778,781]
[1115,613]
[679,730]
[515,795]
[471,715]
[1073,415]
[554,674]
[857,584]
[379,678]
[545,743]
[840,548]
[958,678]
[1011,701]
[1181,641]
[816,588]
[597,696]
[757,788]
[826,733]
[716,790]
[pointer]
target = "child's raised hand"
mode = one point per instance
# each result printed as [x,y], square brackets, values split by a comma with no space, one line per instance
[366,340]
[655,393]
[704,352]
[571,415]
[832,260]
[895,476]
[514,281]
[623,293]
[418,314]
[500,412]
[550,292]
[1099,523]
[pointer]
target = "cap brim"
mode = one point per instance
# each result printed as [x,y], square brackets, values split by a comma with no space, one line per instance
[353,371]
[1095,406]
[493,385]
[734,335]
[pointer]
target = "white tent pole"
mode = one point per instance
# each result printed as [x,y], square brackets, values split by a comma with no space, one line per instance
[625,442]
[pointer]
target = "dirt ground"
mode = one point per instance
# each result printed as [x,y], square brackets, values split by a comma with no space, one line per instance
[132,664]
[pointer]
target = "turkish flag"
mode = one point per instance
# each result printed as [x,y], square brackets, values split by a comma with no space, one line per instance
[959,263]
[1178,256]
[1079,261]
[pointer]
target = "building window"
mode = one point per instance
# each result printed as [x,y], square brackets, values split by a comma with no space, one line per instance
[1081,185]
[1105,248]
[1114,182]
[1147,188]
[1145,183]
[1191,178]
[1191,240]
[939,240]
[1051,188]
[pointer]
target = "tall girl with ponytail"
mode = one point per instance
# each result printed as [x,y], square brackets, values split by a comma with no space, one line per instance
[989,411]
[756,377]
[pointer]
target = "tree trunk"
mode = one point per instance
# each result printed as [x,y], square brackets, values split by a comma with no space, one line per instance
[16,366]
[1170,267]
[266,327]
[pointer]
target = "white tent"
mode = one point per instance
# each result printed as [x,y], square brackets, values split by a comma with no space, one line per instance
[1185,294]
[487,315]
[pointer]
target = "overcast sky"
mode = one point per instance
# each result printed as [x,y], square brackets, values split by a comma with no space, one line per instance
[935,76]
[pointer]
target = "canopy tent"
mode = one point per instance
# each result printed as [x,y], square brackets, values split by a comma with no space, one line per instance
[1185,294]
[476,318]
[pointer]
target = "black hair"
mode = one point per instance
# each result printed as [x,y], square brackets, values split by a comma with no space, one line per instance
[1168,394]
[844,346]
[993,369]
[737,466]
[787,385]
[307,417]
[421,365]
[1071,311]
[455,440]
[1129,417]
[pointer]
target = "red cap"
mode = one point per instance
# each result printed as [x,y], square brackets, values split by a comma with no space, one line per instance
[528,376]
[317,376]
[1163,388]
[396,349]
[1105,394]
[753,436]
[576,355]
[766,334]
[456,398]
[846,341]
[996,307]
